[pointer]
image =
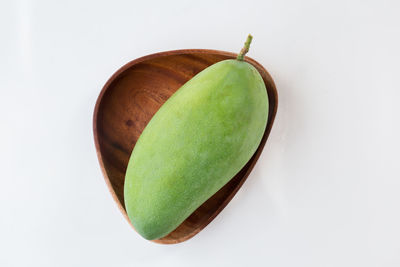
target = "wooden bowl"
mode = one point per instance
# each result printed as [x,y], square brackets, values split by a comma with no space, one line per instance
[128,101]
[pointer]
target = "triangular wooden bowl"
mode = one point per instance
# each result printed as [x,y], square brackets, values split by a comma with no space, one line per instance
[128,101]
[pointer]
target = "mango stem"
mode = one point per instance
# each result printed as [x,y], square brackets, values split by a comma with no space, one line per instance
[245,48]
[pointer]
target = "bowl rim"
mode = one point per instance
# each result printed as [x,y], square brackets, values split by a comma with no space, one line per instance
[256,155]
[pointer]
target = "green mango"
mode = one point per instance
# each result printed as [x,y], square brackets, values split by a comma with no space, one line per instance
[197,141]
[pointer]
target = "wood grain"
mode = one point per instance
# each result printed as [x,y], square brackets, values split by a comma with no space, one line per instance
[128,101]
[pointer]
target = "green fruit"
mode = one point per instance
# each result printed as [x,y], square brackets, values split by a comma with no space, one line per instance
[197,141]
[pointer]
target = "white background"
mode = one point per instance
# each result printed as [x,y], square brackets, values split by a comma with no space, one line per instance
[325,191]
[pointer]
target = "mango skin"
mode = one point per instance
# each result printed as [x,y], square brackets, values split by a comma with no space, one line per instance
[195,143]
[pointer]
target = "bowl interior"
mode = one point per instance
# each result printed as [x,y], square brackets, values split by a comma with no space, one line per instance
[127,103]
